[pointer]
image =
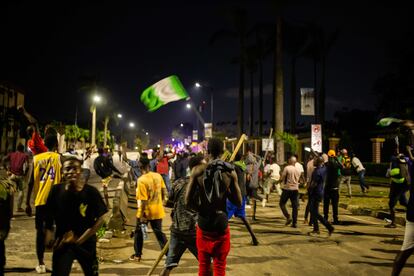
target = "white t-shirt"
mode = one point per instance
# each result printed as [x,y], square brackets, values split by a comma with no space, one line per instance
[275,175]
[299,167]
[357,164]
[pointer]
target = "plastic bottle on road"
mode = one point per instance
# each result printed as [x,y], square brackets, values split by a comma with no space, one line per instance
[144,229]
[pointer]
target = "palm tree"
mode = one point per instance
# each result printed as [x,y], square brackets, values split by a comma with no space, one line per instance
[240,34]
[278,119]
[251,65]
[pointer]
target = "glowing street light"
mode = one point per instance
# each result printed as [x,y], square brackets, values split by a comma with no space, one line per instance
[119,115]
[131,125]
[188,106]
[197,84]
[181,125]
[146,133]
[96,99]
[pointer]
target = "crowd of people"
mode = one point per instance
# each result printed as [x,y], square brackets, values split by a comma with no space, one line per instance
[203,190]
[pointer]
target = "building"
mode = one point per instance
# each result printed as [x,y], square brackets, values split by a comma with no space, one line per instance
[10,98]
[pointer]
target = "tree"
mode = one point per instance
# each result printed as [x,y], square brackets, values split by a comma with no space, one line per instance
[72,134]
[239,33]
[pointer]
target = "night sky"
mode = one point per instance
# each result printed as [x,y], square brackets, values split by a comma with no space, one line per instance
[47,48]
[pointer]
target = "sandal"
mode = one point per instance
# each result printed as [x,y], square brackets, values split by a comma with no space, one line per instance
[135,258]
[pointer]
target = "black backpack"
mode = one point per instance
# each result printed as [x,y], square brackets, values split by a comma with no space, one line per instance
[214,188]
[102,167]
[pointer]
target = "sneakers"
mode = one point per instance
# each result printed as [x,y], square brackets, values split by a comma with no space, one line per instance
[294,225]
[288,221]
[40,269]
[255,242]
[264,202]
[135,258]
[248,206]
[20,210]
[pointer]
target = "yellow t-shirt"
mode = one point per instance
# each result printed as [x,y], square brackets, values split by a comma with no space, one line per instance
[46,173]
[149,189]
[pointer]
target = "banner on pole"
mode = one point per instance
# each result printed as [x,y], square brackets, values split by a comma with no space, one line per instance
[316,138]
[208,130]
[267,144]
[195,135]
[307,101]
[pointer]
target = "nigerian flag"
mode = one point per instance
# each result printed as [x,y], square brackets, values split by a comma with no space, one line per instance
[388,121]
[165,91]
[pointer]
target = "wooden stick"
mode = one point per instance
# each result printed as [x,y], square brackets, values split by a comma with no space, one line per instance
[239,144]
[157,261]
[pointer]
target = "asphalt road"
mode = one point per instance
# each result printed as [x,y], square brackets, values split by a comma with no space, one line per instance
[360,246]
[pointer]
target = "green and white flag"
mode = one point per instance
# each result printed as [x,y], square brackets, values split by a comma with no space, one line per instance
[165,91]
[384,122]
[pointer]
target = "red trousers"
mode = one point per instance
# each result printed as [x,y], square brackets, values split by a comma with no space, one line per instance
[212,246]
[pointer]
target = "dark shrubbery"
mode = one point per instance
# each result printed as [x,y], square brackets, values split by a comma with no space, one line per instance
[373,169]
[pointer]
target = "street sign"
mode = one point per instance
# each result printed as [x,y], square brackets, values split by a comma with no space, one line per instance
[316,137]
[307,102]
[208,130]
[267,144]
[195,135]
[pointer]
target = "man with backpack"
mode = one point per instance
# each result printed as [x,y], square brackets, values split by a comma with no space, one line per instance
[104,167]
[400,178]
[346,171]
[331,191]
[209,188]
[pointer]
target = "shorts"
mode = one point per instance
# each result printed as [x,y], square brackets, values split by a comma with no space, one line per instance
[18,181]
[408,236]
[234,210]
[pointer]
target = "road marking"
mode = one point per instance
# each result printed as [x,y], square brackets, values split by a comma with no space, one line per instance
[374,223]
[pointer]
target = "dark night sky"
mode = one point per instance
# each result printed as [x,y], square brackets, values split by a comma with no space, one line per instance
[46,48]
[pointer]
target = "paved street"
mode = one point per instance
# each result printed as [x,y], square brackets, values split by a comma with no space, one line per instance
[361,246]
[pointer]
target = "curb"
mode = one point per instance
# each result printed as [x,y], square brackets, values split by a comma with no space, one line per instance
[356,210]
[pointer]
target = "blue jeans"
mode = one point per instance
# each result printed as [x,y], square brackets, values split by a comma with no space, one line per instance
[361,176]
[167,182]
[178,244]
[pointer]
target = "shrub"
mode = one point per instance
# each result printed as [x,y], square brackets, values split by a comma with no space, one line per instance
[374,169]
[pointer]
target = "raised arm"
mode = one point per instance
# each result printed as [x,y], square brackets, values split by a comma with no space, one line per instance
[196,172]
[234,190]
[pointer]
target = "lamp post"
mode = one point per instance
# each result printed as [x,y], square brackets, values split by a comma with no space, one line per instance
[198,85]
[96,99]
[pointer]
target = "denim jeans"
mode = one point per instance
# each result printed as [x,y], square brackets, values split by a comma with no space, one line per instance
[293,196]
[178,244]
[156,226]
[361,177]
[397,193]
[167,182]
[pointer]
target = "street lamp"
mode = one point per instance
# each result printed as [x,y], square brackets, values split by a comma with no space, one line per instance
[131,125]
[119,115]
[95,100]
[146,133]
[188,106]
[181,125]
[199,86]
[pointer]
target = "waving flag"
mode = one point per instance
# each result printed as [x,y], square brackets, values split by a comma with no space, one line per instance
[165,91]
[388,121]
